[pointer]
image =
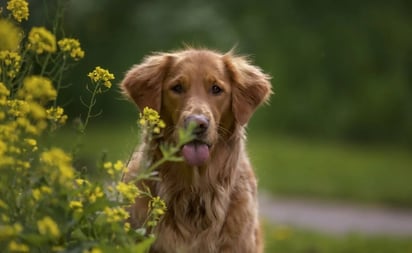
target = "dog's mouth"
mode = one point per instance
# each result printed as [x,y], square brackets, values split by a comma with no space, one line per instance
[196,152]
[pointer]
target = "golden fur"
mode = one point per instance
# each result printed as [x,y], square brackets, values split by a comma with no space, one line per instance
[211,207]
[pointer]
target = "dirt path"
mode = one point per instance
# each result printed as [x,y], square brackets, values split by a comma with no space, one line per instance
[336,218]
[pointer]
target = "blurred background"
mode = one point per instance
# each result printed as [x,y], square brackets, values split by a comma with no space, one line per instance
[339,127]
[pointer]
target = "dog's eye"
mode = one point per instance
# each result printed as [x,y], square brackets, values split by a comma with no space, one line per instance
[216,90]
[178,88]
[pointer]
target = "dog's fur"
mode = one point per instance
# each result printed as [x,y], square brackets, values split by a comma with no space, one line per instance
[211,207]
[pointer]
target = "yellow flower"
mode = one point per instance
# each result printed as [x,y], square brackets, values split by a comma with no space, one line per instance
[72,47]
[56,114]
[108,166]
[158,206]
[11,62]
[101,75]
[46,189]
[37,88]
[10,231]
[56,157]
[76,205]
[17,108]
[128,191]
[58,248]
[41,40]
[36,193]
[18,247]
[19,9]
[37,112]
[127,226]
[93,250]
[4,93]
[10,35]
[3,205]
[118,165]
[151,119]
[97,193]
[47,226]
[32,143]
[82,182]
[115,214]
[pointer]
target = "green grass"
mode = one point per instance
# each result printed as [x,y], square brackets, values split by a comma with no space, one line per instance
[281,239]
[290,166]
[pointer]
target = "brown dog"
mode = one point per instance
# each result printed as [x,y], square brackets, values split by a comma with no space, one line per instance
[211,197]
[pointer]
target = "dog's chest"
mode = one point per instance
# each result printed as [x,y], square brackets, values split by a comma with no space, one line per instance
[191,213]
[190,219]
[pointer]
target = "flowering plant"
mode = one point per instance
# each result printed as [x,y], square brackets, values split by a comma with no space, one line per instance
[46,204]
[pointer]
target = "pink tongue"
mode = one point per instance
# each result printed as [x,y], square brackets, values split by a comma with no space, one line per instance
[195,153]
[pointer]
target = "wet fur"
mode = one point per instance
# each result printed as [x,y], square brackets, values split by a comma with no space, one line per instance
[213,207]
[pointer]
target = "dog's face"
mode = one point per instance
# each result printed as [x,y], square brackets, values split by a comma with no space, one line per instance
[213,92]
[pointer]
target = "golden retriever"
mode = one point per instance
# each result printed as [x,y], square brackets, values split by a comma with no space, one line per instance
[211,196]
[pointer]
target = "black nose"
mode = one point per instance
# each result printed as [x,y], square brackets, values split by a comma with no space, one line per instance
[201,123]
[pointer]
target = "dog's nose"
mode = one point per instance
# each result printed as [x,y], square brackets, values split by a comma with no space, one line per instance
[201,123]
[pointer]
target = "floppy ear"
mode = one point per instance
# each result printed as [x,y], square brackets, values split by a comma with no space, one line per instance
[143,82]
[250,87]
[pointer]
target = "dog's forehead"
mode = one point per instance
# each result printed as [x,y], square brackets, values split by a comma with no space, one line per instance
[200,61]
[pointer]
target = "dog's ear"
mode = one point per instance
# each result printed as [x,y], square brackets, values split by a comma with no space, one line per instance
[250,86]
[143,82]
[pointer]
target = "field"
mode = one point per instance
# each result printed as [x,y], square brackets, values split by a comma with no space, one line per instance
[310,168]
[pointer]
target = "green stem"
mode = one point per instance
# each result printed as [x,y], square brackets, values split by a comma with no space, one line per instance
[90,107]
[59,80]
[44,65]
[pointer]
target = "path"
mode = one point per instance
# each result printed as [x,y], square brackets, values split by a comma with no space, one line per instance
[336,218]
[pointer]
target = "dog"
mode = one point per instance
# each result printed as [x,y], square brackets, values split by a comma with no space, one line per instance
[211,195]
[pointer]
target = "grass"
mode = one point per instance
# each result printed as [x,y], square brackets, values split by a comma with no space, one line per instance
[289,166]
[310,168]
[286,239]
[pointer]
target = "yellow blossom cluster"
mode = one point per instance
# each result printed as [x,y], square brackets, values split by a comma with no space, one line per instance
[111,168]
[72,47]
[39,179]
[151,119]
[4,94]
[57,158]
[129,191]
[115,214]
[40,40]
[42,191]
[76,205]
[18,247]
[56,115]
[10,63]
[100,75]
[157,210]
[19,9]
[37,88]
[47,226]
[10,35]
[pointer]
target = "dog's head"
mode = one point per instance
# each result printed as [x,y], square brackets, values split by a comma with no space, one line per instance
[215,92]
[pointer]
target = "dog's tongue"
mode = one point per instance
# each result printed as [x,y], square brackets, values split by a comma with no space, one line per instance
[195,153]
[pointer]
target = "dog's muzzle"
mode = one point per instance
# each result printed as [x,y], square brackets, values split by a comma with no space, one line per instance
[197,152]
